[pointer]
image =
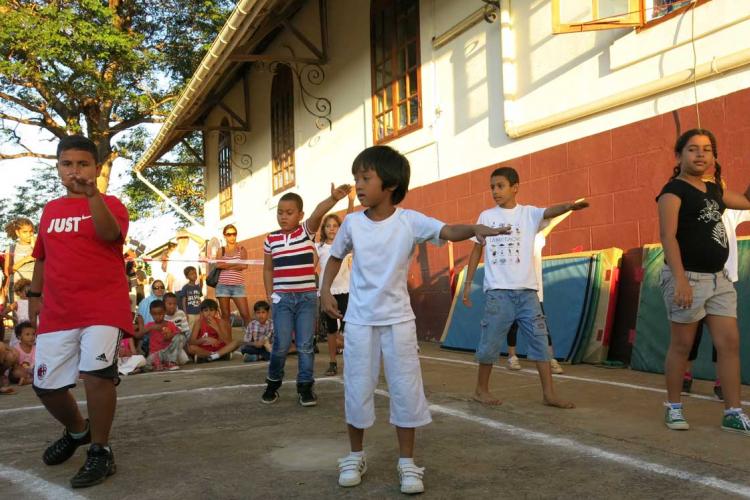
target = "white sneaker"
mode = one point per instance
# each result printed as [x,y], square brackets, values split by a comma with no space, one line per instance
[213,356]
[182,357]
[351,470]
[411,478]
[555,366]
[513,363]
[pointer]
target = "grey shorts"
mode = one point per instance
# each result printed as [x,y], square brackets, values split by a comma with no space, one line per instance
[713,293]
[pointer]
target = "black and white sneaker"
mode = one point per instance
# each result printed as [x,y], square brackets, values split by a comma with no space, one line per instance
[271,394]
[64,448]
[306,395]
[100,464]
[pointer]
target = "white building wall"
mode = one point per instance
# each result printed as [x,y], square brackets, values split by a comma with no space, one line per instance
[463,88]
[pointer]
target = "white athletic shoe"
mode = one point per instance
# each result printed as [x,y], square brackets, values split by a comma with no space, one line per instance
[513,363]
[555,366]
[411,478]
[351,470]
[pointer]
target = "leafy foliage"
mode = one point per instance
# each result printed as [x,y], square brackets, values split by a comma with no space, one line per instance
[99,68]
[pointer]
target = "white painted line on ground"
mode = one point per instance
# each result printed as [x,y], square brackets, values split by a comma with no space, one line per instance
[162,393]
[578,378]
[34,486]
[573,446]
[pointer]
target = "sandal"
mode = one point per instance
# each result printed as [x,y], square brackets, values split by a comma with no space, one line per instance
[332,369]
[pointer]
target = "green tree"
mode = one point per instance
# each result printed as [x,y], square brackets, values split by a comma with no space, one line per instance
[100,68]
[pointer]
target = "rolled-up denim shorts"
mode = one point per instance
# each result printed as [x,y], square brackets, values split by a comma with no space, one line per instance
[230,290]
[502,308]
[713,293]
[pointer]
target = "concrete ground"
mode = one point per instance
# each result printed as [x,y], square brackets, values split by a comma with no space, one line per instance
[201,432]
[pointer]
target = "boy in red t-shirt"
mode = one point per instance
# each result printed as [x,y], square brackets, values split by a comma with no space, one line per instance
[166,345]
[79,293]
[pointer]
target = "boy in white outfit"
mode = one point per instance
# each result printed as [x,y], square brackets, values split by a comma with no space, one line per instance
[379,317]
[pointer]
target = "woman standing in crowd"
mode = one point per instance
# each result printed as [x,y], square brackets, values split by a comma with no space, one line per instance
[232,278]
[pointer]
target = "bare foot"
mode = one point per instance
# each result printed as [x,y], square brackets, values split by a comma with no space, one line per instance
[558,403]
[486,398]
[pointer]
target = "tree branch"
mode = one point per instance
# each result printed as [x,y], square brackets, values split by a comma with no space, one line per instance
[27,154]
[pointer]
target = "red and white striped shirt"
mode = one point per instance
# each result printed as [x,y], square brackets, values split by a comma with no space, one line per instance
[232,276]
[293,260]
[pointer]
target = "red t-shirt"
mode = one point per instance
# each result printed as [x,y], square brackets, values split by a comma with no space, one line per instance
[84,276]
[156,341]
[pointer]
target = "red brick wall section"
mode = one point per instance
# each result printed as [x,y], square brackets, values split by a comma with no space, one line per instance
[620,171]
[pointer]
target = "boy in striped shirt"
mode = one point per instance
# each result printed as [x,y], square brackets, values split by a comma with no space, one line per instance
[289,280]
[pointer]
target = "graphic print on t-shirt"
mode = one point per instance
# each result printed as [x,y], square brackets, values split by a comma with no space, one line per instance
[712,213]
[505,249]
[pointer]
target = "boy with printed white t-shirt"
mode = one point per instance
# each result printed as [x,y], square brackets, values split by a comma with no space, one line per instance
[379,318]
[511,283]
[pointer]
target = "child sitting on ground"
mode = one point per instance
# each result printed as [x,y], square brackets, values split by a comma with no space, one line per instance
[165,344]
[23,372]
[258,334]
[210,338]
[175,315]
[8,359]
[190,295]
[129,361]
[20,308]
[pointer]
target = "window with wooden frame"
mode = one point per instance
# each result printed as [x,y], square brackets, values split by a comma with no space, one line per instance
[225,171]
[395,61]
[573,16]
[282,129]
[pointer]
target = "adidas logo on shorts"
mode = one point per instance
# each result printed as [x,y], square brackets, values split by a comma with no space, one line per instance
[102,357]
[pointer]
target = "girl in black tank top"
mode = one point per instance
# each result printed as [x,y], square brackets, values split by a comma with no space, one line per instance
[695,251]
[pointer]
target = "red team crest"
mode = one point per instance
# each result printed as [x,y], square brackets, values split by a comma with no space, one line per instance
[41,371]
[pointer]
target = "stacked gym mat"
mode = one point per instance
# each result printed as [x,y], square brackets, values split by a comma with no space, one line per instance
[652,327]
[580,293]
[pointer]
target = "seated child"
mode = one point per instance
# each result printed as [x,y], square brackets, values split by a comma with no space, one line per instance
[20,308]
[211,339]
[165,342]
[129,361]
[176,316]
[8,359]
[190,296]
[23,372]
[258,334]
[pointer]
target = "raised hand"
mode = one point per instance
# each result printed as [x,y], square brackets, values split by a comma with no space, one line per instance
[82,185]
[340,192]
[579,205]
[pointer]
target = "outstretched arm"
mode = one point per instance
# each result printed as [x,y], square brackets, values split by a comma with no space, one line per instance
[461,232]
[337,193]
[560,209]
[737,201]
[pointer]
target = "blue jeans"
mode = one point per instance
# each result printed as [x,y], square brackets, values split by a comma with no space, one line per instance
[295,312]
[501,309]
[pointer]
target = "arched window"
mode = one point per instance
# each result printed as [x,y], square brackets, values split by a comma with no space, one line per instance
[282,129]
[395,63]
[225,171]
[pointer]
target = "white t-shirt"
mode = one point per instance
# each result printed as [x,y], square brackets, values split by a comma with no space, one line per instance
[378,294]
[509,258]
[732,219]
[341,281]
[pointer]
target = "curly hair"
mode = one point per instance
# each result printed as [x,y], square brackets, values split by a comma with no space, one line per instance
[12,227]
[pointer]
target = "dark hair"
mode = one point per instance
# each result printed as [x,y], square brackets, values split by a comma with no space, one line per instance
[78,142]
[156,304]
[507,172]
[391,166]
[168,295]
[20,327]
[682,141]
[228,226]
[209,304]
[187,270]
[323,225]
[13,226]
[19,285]
[261,304]
[292,197]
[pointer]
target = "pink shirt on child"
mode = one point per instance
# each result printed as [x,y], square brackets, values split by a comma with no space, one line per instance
[26,357]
